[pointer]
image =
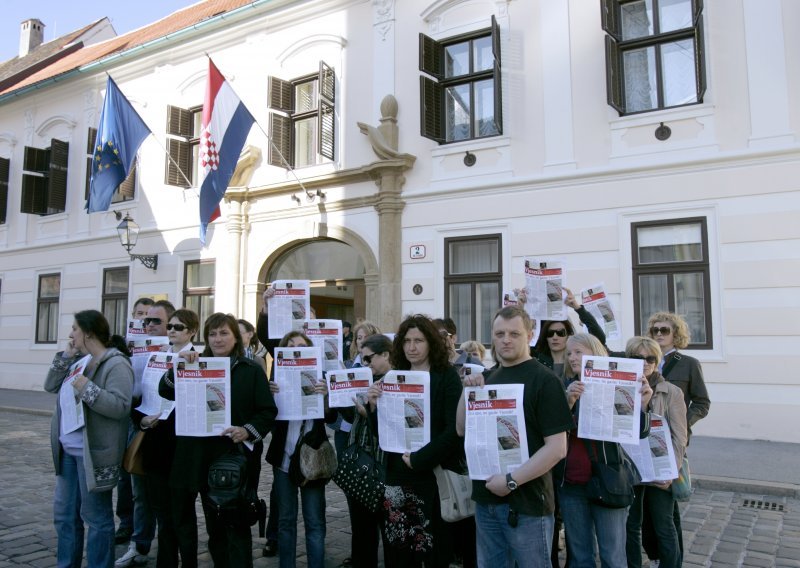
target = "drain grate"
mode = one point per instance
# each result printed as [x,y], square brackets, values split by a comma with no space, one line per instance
[763,505]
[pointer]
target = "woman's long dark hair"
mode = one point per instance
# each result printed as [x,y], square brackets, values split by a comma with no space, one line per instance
[217,320]
[542,347]
[95,324]
[437,349]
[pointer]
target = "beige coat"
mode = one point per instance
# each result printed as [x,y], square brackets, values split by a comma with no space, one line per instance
[667,401]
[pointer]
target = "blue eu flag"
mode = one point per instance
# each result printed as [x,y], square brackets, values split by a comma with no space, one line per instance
[119,135]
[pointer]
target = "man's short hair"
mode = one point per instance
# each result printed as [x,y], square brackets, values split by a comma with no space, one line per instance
[167,305]
[511,312]
[144,301]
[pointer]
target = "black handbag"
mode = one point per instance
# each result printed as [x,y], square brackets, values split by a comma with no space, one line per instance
[360,475]
[611,485]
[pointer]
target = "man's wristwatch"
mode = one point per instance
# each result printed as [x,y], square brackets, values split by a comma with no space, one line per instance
[510,483]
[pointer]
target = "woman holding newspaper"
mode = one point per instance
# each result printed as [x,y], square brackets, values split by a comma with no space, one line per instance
[89,432]
[585,521]
[252,414]
[285,440]
[655,500]
[413,527]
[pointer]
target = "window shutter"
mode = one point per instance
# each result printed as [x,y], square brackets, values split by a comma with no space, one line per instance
[498,98]
[430,56]
[327,130]
[5,167]
[91,137]
[614,77]
[179,122]
[609,17]
[35,160]
[697,11]
[280,141]
[496,43]
[34,198]
[181,153]
[431,105]
[280,94]
[700,60]
[127,189]
[327,82]
[57,178]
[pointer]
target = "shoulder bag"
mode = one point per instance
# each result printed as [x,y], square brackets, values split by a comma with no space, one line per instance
[133,459]
[682,487]
[314,459]
[455,494]
[611,485]
[360,474]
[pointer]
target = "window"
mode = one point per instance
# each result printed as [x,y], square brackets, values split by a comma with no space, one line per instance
[671,273]
[302,131]
[473,281]
[183,145]
[44,179]
[464,100]
[5,168]
[126,190]
[654,54]
[47,308]
[115,299]
[198,287]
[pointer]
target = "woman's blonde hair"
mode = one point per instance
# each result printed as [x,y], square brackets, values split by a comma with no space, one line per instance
[369,329]
[680,330]
[472,345]
[588,342]
[648,344]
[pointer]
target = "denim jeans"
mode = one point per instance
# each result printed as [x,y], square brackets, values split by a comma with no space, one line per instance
[658,505]
[125,500]
[313,499]
[73,506]
[144,520]
[586,523]
[501,545]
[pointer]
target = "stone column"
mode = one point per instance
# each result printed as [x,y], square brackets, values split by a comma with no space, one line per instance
[227,300]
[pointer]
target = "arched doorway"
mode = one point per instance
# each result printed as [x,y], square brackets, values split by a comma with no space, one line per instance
[336,272]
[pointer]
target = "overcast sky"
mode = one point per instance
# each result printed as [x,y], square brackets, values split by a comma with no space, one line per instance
[64,16]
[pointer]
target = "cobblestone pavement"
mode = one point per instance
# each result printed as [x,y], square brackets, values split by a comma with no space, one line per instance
[720,528]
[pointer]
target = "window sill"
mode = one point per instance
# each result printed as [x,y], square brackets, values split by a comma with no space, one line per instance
[492,157]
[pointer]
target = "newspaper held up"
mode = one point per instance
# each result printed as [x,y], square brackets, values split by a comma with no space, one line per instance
[202,396]
[135,330]
[327,335]
[72,417]
[510,299]
[404,410]
[289,307]
[544,281]
[152,403]
[597,302]
[611,402]
[346,384]
[654,456]
[495,438]
[297,372]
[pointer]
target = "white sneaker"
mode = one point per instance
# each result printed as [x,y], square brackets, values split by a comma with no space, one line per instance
[131,558]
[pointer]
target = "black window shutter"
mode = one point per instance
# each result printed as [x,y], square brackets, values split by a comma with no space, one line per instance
[127,188]
[700,60]
[431,105]
[181,153]
[91,136]
[327,83]
[280,141]
[610,19]
[496,42]
[34,195]
[430,56]
[57,177]
[5,167]
[280,94]
[498,98]
[614,79]
[179,122]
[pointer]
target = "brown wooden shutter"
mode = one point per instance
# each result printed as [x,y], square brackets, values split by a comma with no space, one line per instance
[127,189]
[614,78]
[5,168]
[181,153]
[431,109]
[57,176]
[326,123]
[179,122]
[280,141]
[280,94]
[91,136]
[430,56]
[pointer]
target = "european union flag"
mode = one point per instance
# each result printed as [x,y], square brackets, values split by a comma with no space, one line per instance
[119,135]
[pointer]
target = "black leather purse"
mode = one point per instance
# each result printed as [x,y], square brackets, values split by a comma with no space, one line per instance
[360,475]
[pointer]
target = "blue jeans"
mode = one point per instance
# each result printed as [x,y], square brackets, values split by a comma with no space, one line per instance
[658,505]
[144,519]
[73,506]
[586,523]
[313,499]
[501,545]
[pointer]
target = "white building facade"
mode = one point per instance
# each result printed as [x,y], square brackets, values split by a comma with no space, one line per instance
[435,145]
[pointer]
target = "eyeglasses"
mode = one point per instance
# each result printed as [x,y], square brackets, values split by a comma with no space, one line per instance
[368,358]
[559,332]
[444,333]
[651,359]
[175,326]
[154,321]
[661,330]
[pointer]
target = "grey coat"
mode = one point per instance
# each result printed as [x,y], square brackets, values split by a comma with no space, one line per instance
[107,403]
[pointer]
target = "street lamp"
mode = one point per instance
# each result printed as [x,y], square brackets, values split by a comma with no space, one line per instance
[128,232]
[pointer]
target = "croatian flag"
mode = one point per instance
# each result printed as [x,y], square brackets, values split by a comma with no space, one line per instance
[226,124]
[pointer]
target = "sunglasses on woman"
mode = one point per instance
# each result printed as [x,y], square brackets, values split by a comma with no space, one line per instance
[368,358]
[661,330]
[559,332]
[176,327]
[651,359]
